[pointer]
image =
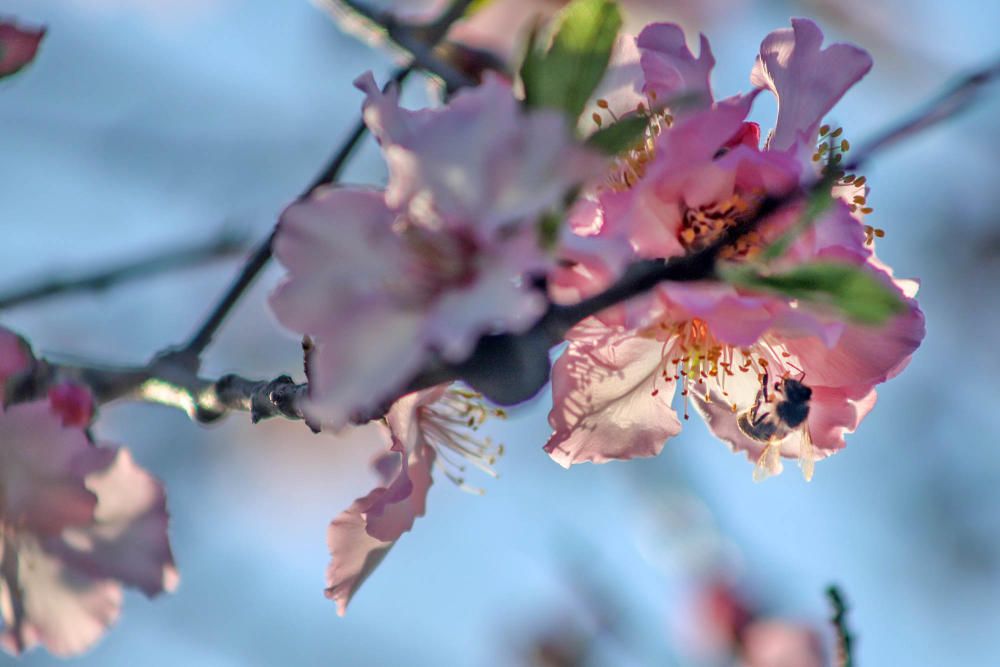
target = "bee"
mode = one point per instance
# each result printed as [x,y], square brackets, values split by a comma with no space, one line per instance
[772,418]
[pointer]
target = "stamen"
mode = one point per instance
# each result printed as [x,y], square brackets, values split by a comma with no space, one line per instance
[449,425]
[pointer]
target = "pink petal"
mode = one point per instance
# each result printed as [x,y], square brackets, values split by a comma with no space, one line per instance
[732,317]
[390,514]
[604,405]
[358,367]
[863,355]
[339,249]
[361,536]
[63,610]
[18,46]
[480,160]
[771,643]
[42,469]
[128,540]
[834,412]
[808,81]
[671,70]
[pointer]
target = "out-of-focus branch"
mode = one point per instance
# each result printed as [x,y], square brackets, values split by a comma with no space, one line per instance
[845,639]
[950,102]
[224,245]
[418,40]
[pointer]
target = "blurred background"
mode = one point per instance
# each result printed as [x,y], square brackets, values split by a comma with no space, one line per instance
[147,124]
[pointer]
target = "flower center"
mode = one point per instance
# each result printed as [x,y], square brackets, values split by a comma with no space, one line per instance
[693,357]
[630,166]
[704,225]
[436,261]
[450,426]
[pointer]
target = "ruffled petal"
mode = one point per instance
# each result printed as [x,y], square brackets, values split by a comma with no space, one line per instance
[609,400]
[128,540]
[361,536]
[807,80]
[671,71]
[48,603]
[43,465]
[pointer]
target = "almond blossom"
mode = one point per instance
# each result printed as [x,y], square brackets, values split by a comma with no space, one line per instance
[77,521]
[734,355]
[18,46]
[384,281]
[434,428]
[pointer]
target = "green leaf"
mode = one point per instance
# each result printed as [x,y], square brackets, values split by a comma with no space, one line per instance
[475,6]
[563,73]
[857,294]
[817,203]
[620,136]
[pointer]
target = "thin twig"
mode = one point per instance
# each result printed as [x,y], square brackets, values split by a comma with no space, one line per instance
[418,40]
[952,101]
[845,638]
[225,245]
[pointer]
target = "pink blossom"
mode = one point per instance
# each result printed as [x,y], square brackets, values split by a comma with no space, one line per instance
[431,428]
[77,520]
[730,353]
[775,643]
[383,281]
[18,46]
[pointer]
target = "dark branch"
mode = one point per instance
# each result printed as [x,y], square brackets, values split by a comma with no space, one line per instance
[225,245]
[419,40]
[845,639]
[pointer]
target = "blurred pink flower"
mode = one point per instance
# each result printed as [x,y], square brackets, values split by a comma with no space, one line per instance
[733,353]
[77,520]
[18,46]
[382,281]
[434,427]
[775,643]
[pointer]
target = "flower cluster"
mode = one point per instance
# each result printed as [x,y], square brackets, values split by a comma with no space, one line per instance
[385,282]
[745,360]
[389,286]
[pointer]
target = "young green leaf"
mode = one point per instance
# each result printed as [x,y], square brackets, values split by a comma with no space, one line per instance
[857,294]
[563,73]
[619,136]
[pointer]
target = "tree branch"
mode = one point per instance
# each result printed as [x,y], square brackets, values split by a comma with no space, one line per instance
[845,639]
[418,40]
[224,245]
[507,368]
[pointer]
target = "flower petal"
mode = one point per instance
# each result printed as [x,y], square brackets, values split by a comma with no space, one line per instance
[605,400]
[43,465]
[807,80]
[671,70]
[128,539]
[361,536]
[49,603]
[18,46]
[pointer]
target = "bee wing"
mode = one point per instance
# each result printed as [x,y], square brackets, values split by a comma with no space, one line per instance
[768,463]
[807,456]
